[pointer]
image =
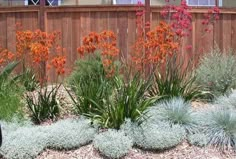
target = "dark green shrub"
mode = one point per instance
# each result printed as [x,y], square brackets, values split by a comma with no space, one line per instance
[43,105]
[217,72]
[90,85]
[128,100]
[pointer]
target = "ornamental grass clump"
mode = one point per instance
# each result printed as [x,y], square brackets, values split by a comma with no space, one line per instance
[113,143]
[177,80]
[220,127]
[176,111]
[217,72]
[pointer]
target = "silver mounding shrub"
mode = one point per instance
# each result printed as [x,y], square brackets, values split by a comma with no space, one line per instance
[220,127]
[27,141]
[23,143]
[159,136]
[70,134]
[198,139]
[217,72]
[113,143]
[175,111]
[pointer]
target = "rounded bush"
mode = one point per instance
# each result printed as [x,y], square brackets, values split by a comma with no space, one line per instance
[159,136]
[24,143]
[70,134]
[113,143]
[175,111]
[220,127]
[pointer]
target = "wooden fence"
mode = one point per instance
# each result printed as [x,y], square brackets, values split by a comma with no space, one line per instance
[76,22]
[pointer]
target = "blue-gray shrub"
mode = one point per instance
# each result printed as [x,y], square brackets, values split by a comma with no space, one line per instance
[159,136]
[175,111]
[113,143]
[220,127]
[154,136]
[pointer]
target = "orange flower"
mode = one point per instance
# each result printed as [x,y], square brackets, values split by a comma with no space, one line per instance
[106,43]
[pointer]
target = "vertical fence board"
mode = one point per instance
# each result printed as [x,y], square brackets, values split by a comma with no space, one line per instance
[75,23]
[122,25]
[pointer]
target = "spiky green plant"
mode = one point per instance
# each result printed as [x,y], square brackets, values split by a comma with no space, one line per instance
[128,100]
[90,85]
[43,105]
[176,80]
[217,72]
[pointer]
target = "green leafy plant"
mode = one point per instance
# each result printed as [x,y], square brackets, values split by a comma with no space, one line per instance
[10,93]
[29,80]
[176,80]
[217,72]
[43,105]
[128,100]
[90,85]
[113,143]
[175,111]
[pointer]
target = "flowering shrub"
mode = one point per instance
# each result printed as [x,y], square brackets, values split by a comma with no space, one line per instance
[106,43]
[42,49]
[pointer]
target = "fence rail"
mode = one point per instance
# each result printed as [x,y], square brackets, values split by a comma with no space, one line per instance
[76,22]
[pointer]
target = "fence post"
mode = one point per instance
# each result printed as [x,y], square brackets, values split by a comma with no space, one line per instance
[42,27]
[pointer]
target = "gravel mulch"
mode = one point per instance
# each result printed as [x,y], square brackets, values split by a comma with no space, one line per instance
[182,151]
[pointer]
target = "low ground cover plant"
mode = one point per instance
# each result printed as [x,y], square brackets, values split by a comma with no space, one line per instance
[27,141]
[113,143]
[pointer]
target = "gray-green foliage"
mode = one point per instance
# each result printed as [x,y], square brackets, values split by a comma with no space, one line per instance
[154,136]
[175,111]
[220,127]
[70,133]
[227,101]
[217,71]
[27,141]
[198,139]
[113,143]
[159,136]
